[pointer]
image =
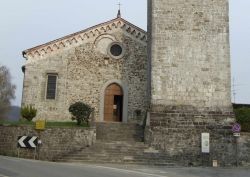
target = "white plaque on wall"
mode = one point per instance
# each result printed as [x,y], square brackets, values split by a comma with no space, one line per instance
[205,142]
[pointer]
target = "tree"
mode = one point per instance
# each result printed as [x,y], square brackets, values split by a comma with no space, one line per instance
[7,90]
[80,112]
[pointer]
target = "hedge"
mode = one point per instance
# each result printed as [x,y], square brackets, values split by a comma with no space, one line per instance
[243,117]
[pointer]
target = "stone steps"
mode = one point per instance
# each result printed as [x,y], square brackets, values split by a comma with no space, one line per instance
[118,143]
[111,153]
[119,132]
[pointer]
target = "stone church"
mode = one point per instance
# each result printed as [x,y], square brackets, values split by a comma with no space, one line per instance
[176,76]
[104,66]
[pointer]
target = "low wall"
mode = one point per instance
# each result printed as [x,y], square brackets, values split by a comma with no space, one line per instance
[179,135]
[55,141]
[244,149]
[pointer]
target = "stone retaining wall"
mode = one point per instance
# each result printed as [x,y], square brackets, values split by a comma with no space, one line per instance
[182,142]
[55,141]
[179,135]
[244,149]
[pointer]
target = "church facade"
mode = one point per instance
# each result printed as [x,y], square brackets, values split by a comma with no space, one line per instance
[177,76]
[104,66]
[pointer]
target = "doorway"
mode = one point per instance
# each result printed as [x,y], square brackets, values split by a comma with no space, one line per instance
[113,103]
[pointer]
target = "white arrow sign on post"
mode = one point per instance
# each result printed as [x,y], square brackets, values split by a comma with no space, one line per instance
[31,142]
[27,141]
[21,143]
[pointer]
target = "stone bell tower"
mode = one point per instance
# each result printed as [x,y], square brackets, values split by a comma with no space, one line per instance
[190,75]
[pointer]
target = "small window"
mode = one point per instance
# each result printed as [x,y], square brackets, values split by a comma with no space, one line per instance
[51,86]
[116,50]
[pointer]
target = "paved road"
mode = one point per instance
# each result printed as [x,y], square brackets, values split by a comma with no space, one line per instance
[13,167]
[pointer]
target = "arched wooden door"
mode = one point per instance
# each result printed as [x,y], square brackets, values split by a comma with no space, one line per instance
[113,103]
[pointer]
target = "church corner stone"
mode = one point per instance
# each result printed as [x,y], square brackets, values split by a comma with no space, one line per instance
[190,79]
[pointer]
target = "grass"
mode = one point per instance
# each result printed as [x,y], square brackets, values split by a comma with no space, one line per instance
[64,124]
[48,123]
[16,123]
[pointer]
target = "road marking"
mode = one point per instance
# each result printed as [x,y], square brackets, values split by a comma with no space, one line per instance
[15,159]
[86,165]
[127,171]
[3,175]
[146,170]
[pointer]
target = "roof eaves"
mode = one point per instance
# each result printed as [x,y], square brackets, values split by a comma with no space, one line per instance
[79,32]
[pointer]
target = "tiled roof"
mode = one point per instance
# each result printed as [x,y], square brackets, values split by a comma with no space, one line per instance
[77,37]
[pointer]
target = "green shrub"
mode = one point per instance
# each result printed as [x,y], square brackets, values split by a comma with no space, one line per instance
[28,112]
[80,112]
[243,117]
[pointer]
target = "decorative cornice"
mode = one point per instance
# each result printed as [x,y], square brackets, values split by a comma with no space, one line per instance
[83,35]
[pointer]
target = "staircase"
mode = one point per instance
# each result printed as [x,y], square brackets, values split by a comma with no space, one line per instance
[119,132]
[118,143]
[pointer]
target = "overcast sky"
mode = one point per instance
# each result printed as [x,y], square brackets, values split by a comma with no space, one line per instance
[28,23]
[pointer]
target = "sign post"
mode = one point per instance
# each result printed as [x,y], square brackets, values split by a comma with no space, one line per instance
[205,146]
[236,128]
[205,143]
[40,126]
[29,142]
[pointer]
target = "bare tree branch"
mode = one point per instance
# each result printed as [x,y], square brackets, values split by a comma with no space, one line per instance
[7,90]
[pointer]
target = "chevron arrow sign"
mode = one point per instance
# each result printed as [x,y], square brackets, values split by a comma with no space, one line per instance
[27,142]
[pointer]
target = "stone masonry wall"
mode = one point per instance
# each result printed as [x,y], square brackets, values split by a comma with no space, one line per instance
[190,53]
[244,149]
[34,86]
[179,135]
[190,80]
[83,69]
[55,141]
[89,70]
